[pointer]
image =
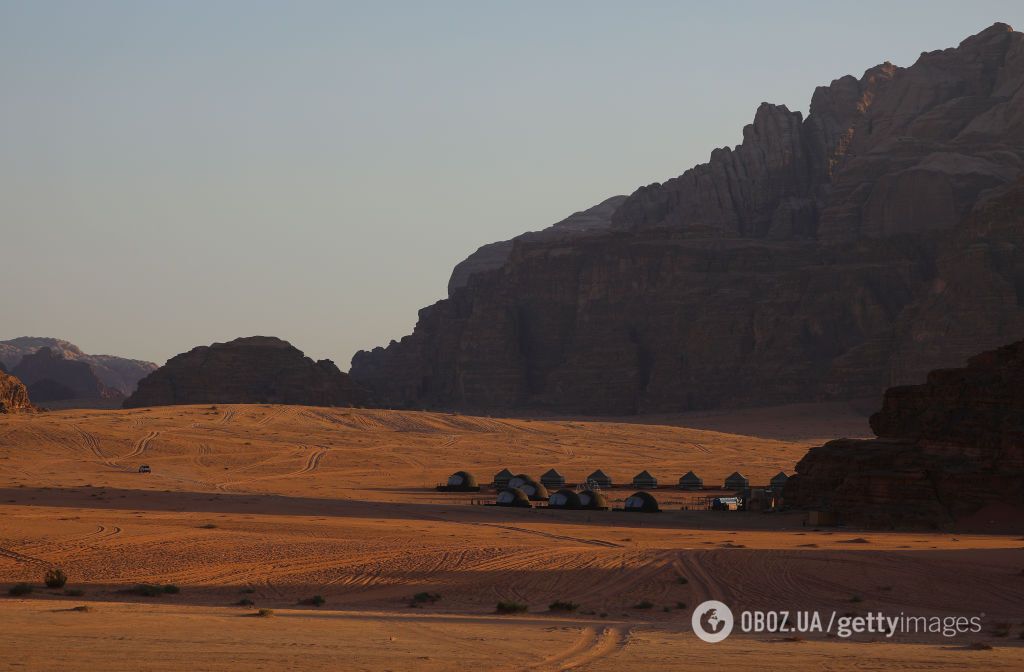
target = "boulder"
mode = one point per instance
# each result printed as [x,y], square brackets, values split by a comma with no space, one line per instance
[13,395]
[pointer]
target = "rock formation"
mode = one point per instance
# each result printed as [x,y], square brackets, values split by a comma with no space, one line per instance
[118,373]
[50,377]
[823,258]
[257,369]
[494,255]
[13,395]
[944,450]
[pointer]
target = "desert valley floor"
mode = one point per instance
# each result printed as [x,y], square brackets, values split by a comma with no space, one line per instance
[276,504]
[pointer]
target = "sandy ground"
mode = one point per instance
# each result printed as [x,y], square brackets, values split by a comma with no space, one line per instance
[275,504]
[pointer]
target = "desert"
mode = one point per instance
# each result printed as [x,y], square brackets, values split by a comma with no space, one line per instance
[402,337]
[253,507]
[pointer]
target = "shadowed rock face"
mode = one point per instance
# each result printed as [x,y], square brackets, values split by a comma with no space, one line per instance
[944,450]
[118,373]
[13,395]
[494,255]
[823,258]
[257,369]
[51,377]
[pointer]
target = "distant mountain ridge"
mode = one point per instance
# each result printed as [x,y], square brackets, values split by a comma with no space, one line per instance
[826,257]
[119,373]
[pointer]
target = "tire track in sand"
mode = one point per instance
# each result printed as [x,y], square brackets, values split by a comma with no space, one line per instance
[588,648]
[140,446]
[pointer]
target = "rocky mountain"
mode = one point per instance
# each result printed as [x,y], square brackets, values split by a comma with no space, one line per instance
[13,395]
[258,369]
[118,373]
[826,257]
[945,449]
[51,377]
[494,255]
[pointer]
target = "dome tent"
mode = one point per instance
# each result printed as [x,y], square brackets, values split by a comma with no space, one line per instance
[513,497]
[529,485]
[592,499]
[564,499]
[641,502]
[461,481]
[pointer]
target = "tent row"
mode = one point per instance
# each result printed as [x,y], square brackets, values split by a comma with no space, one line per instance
[552,480]
[585,500]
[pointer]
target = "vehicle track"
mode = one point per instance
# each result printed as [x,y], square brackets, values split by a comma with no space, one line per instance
[140,446]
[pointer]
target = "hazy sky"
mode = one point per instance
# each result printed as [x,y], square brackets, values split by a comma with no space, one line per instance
[178,173]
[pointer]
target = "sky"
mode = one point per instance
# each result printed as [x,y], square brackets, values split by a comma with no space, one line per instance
[178,173]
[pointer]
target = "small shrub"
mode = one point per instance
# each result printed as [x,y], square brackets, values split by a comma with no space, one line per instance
[419,599]
[265,613]
[645,604]
[20,589]
[315,601]
[154,590]
[511,607]
[208,526]
[85,608]
[74,592]
[560,605]
[979,646]
[682,580]
[55,578]
[603,614]
[245,602]
[248,591]
[680,605]
[856,598]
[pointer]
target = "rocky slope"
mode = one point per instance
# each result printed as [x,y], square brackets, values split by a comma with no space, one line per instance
[257,369]
[118,373]
[823,258]
[51,377]
[944,450]
[494,255]
[13,395]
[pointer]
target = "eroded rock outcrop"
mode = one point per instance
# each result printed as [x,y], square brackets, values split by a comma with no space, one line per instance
[13,395]
[945,449]
[257,369]
[826,257]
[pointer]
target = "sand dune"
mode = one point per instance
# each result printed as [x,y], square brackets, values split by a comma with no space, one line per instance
[276,504]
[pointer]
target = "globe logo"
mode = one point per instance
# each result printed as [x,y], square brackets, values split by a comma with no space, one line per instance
[712,621]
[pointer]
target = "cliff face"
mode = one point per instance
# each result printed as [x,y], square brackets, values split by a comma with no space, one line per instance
[494,255]
[13,395]
[944,449]
[51,377]
[118,373]
[827,257]
[250,370]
